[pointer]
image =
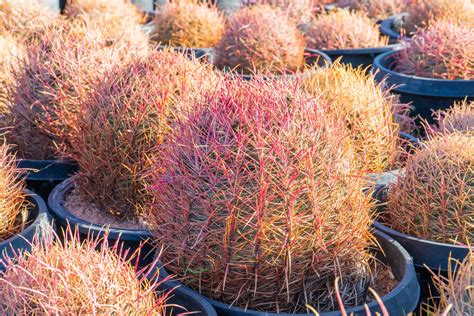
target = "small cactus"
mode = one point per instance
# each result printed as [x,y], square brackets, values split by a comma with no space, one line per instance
[187,23]
[434,196]
[114,134]
[259,205]
[299,11]
[110,9]
[422,13]
[375,9]
[370,113]
[458,118]
[74,277]
[442,51]
[262,39]
[12,198]
[344,29]
[10,52]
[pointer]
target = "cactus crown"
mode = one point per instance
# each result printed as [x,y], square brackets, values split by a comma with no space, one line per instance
[344,29]
[255,205]
[121,122]
[375,9]
[187,23]
[443,50]
[369,112]
[12,199]
[76,277]
[422,13]
[433,198]
[261,38]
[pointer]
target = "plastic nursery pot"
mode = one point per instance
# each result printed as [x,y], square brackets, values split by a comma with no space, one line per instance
[426,253]
[38,224]
[42,176]
[313,57]
[400,301]
[426,94]
[127,239]
[390,26]
[363,57]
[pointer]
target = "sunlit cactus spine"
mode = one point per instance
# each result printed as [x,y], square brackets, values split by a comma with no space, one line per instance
[188,23]
[344,29]
[261,39]
[12,198]
[442,51]
[259,204]
[371,114]
[77,277]
[433,197]
[10,52]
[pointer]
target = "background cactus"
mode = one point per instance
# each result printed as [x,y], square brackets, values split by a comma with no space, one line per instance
[25,19]
[58,70]
[434,196]
[422,13]
[458,118]
[369,112]
[110,9]
[376,9]
[188,23]
[76,277]
[114,134]
[261,38]
[442,51]
[299,11]
[343,29]
[259,204]
[12,199]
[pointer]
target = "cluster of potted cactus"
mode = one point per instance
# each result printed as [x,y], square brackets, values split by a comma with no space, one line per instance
[280,174]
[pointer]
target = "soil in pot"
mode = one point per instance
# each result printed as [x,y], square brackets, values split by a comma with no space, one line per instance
[69,208]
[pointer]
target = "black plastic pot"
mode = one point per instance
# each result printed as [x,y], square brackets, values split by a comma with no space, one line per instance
[39,224]
[402,300]
[42,176]
[426,94]
[128,239]
[425,253]
[363,57]
[389,26]
[313,57]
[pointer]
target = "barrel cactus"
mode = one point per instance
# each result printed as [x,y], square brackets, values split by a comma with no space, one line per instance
[434,196]
[261,39]
[10,52]
[56,72]
[76,277]
[12,198]
[344,29]
[443,51]
[122,120]
[258,202]
[422,13]
[188,23]
[370,112]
